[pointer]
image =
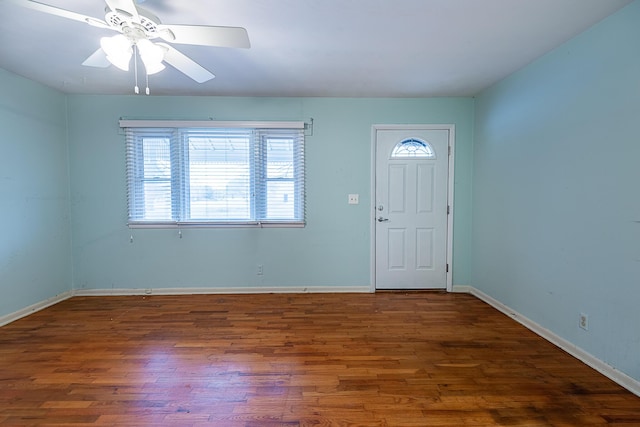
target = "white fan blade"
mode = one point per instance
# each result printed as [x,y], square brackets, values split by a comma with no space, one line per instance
[186,65]
[204,35]
[126,6]
[59,12]
[97,59]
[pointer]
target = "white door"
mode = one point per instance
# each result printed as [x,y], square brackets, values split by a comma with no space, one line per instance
[411,191]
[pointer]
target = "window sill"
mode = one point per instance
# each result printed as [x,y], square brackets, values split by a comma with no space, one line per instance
[231,224]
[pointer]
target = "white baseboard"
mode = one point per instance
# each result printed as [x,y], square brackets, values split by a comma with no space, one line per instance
[12,317]
[605,369]
[226,290]
[462,289]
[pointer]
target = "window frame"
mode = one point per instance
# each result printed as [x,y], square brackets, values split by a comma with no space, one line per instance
[178,132]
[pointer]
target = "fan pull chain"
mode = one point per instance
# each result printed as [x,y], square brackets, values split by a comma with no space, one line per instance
[147,91]
[136,89]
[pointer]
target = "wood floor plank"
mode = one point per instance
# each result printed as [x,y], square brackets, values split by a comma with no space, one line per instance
[285,360]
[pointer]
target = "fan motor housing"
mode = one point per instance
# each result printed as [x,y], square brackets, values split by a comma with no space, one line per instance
[146,22]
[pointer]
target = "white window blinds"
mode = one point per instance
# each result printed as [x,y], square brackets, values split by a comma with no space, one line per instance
[215,176]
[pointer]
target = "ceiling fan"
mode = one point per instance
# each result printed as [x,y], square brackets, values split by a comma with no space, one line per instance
[137,28]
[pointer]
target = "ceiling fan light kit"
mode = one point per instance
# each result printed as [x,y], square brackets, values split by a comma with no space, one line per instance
[136,28]
[118,50]
[152,56]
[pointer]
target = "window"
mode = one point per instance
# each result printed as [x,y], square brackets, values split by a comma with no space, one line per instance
[205,176]
[413,148]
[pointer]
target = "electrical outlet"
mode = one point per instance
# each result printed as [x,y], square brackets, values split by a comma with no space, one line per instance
[354,199]
[583,321]
[259,270]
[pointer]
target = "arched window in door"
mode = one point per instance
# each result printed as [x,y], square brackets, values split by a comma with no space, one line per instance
[413,148]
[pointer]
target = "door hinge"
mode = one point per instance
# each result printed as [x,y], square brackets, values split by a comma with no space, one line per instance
[447,268]
[448,209]
[449,147]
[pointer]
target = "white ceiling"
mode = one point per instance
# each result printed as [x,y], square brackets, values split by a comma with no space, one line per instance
[346,48]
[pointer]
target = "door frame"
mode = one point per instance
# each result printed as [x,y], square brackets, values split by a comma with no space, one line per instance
[450,185]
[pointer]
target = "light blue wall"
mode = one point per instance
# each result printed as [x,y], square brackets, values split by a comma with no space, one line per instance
[35,250]
[333,249]
[556,202]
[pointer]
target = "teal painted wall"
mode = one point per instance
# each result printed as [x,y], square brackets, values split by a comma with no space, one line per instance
[556,206]
[332,250]
[35,250]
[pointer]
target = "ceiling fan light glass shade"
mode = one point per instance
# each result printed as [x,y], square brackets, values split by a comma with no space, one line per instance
[118,50]
[153,68]
[152,56]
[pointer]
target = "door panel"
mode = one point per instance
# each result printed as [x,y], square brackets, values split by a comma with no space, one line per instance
[397,249]
[411,210]
[425,191]
[397,180]
[424,249]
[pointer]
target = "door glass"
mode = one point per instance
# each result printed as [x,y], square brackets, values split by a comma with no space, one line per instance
[413,147]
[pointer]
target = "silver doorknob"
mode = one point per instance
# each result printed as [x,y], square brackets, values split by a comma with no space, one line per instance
[380,219]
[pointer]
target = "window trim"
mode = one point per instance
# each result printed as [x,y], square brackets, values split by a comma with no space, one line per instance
[127,123]
[179,204]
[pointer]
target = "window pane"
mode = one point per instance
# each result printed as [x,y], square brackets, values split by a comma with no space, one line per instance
[157,158]
[279,158]
[280,200]
[157,200]
[279,197]
[220,177]
[156,178]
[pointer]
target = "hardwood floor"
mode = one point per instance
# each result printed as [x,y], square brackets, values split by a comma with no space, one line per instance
[284,360]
